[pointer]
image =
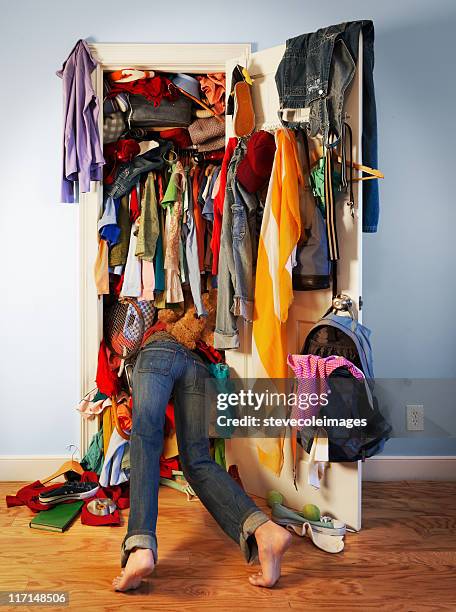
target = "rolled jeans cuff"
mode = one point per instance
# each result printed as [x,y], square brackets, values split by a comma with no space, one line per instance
[137,540]
[242,307]
[247,542]
[224,341]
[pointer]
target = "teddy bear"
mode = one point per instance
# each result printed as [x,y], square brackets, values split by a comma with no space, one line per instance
[183,323]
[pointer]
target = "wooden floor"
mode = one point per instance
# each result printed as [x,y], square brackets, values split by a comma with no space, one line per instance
[403,559]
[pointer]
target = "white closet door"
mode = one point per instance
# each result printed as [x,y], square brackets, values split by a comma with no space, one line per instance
[340,491]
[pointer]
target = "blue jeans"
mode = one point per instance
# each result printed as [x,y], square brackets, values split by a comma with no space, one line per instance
[191,251]
[161,367]
[128,173]
[237,257]
[314,73]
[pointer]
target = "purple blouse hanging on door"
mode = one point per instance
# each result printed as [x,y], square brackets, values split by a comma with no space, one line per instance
[82,153]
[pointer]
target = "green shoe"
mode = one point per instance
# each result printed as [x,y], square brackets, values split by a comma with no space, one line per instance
[327,525]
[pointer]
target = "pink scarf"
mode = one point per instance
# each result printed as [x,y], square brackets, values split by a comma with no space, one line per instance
[312,372]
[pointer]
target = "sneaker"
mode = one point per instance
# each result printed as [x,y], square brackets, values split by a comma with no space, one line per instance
[69,491]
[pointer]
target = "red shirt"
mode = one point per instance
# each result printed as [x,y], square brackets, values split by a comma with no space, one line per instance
[219,201]
[107,380]
[28,496]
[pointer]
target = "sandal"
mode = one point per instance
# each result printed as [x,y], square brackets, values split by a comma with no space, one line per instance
[244,115]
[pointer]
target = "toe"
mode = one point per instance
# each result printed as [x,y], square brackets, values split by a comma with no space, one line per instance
[256,578]
[263,580]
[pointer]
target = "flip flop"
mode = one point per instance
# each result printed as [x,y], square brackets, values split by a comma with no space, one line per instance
[328,543]
[244,115]
[187,489]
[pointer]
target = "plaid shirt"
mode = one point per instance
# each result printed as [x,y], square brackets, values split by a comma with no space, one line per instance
[113,127]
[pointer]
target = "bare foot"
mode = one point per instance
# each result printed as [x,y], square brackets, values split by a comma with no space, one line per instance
[273,541]
[139,565]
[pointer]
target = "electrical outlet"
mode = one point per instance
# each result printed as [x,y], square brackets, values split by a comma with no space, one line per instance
[415,417]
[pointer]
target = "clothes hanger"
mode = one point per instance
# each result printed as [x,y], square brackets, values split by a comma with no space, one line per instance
[172,157]
[342,159]
[68,466]
[119,429]
[372,172]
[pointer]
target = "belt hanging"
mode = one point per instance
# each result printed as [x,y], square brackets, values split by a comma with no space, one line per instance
[346,130]
[331,227]
[334,278]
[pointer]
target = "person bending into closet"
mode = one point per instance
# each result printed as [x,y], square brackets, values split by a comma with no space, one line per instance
[164,365]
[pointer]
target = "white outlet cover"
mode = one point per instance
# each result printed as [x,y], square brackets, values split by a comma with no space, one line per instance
[415,417]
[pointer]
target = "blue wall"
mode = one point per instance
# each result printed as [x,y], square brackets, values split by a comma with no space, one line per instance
[409,274]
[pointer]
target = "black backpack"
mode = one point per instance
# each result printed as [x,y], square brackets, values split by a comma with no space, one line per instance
[349,398]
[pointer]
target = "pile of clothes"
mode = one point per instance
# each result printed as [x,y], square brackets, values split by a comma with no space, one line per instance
[109,452]
[161,177]
[36,496]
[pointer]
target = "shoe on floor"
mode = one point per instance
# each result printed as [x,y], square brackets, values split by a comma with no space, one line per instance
[69,491]
[329,543]
[326,525]
[327,533]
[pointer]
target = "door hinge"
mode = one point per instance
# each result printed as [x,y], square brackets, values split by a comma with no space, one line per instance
[360,302]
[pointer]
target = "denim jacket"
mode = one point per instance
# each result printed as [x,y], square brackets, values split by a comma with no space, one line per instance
[128,173]
[237,256]
[314,74]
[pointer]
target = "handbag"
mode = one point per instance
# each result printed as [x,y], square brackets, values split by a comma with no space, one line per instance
[170,114]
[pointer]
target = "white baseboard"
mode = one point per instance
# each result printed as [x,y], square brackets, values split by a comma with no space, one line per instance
[27,468]
[409,468]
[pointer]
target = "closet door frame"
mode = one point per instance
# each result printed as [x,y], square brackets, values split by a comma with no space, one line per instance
[186,58]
